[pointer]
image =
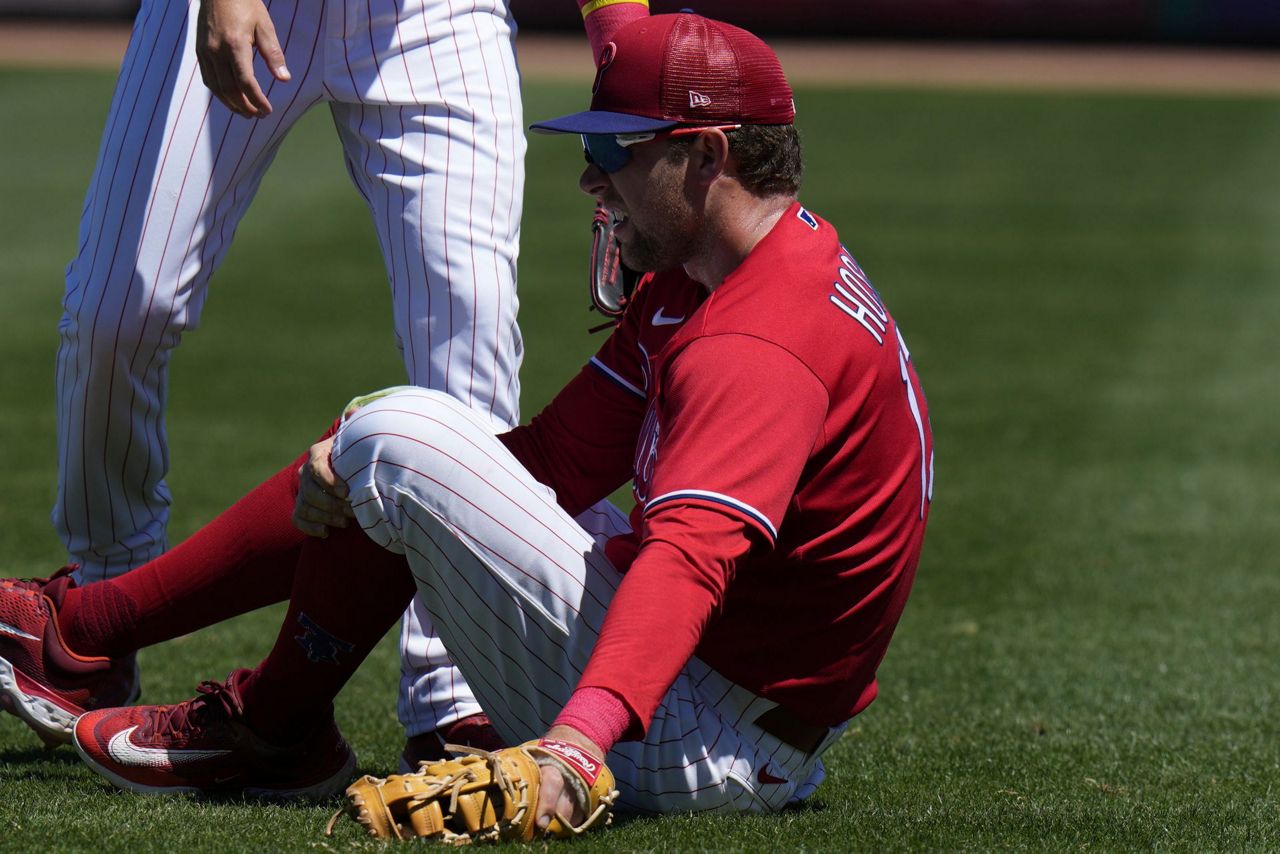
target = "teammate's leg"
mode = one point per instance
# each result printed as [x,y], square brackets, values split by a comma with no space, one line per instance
[441,167]
[69,648]
[242,560]
[175,173]
[518,592]
[434,695]
[437,150]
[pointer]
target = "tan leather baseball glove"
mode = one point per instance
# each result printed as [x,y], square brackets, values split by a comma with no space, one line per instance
[481,796]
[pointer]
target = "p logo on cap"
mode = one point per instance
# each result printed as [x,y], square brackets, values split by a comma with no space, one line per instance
[607,54]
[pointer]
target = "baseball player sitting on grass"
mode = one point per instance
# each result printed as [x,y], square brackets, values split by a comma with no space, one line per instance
[425,98]
[757,393]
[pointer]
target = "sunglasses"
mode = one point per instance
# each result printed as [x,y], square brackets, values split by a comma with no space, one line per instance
[610,152]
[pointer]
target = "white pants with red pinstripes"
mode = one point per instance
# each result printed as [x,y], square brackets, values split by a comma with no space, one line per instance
[518,591]
[425,97]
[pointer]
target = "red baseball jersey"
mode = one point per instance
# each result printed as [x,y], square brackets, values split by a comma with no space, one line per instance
[782,464]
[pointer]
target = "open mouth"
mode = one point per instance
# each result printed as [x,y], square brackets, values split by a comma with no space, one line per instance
[621,222]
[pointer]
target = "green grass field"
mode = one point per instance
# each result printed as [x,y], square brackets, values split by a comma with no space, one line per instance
[1090,286]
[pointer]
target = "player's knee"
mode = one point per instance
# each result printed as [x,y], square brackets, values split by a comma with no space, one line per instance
[418,432]
[103,330]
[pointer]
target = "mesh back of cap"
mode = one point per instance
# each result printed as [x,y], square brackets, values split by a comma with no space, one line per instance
[717,73]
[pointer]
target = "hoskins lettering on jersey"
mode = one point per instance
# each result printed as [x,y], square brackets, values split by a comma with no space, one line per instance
[855,296]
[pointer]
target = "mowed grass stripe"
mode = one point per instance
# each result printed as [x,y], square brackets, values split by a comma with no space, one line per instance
[1088,286]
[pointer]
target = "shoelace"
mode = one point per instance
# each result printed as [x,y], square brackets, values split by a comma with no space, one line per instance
[218,703]
[36,585]
[28,588]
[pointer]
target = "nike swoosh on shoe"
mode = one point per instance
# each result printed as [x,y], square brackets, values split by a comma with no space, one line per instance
[122,749]
[17,633]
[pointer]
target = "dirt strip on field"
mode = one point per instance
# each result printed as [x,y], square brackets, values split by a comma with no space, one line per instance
[840,63]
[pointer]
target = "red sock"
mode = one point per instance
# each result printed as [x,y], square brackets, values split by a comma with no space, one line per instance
[347,592]
[242,560]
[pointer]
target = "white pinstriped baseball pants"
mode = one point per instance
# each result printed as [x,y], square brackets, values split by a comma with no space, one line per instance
[518,591]
[425,97]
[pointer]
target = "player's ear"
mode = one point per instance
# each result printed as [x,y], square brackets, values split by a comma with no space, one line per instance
[709,155]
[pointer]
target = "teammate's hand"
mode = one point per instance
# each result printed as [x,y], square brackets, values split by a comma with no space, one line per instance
[227,34]
[322,495]
[554,796]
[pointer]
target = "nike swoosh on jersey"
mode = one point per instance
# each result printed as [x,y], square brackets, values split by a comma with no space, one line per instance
[7,629]
[660,319]
[123,750]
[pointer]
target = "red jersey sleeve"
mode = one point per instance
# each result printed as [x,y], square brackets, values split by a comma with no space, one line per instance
[660,609]
[738,418]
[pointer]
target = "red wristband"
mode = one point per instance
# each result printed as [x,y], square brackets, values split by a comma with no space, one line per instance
[597,713]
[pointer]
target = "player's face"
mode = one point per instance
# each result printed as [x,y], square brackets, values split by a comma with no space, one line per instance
[660,227]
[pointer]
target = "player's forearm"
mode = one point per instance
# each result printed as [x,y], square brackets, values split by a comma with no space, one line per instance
[656,619]
[603,17]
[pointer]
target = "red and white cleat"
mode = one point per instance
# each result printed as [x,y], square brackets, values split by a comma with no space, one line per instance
[205,746]
[43,682]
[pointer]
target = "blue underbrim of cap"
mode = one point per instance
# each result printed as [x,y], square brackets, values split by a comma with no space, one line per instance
[598,121]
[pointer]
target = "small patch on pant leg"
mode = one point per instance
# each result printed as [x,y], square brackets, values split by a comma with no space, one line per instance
[318,644]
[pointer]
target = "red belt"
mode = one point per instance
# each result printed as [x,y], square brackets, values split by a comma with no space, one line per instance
[782,724]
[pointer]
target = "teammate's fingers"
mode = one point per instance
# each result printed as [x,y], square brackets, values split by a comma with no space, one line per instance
[224,87]
[236,102]
[209,65]
[269,47]
[246,84]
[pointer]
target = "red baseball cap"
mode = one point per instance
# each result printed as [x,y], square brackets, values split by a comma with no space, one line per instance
[682,69]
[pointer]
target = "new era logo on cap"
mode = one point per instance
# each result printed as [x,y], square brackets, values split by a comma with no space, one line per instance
[697,99]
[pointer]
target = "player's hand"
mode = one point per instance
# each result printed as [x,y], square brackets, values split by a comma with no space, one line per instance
[322,495]
[227,34]
[554,796]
